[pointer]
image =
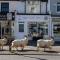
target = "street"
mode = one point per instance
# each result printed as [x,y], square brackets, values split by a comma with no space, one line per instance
[30,53]
[29,57]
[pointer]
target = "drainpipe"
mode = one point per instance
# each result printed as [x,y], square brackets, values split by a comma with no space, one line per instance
[50,27]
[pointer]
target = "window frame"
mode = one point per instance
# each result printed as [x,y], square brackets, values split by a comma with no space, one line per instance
[20,29]
[58,4]
[4,7]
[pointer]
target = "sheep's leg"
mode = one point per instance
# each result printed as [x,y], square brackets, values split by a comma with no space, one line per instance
[44,48]
[12,50]
[2,47]
[50,47]
[16,48]
[37,48]
[22,47]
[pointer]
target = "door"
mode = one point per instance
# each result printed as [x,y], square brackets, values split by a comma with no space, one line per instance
[21,33]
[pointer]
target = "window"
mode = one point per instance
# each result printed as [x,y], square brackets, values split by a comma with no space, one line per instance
[58,7]
[4,7]
[57,28]
[32,7]
[21,27]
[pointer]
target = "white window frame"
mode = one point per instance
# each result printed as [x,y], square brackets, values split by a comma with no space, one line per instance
[58,4]
[23,27]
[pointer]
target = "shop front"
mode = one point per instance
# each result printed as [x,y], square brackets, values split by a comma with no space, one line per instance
[37,30]
[32,25]
[56,28]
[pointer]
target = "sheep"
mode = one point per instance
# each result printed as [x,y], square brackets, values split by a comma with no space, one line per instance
[3,42]
[19,43]
[45,43]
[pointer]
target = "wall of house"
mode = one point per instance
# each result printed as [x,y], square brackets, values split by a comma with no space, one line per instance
[19,6]
[53,11]
[15,5]
[53,7]
[43,7]
[25,19]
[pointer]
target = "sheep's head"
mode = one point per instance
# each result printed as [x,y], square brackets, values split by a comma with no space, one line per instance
[26,38]
[5,37]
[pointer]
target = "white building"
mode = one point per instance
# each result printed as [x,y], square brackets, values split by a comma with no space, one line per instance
[55,16]
[34,19]
[24,17]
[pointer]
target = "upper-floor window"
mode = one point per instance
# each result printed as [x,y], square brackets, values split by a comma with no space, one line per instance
[4,7]
[32,6]
[36,6]
[58,7]
[56,28]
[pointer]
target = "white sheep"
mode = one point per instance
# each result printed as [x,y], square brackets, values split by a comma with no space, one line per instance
[3,42]
[45,43]
[19,43]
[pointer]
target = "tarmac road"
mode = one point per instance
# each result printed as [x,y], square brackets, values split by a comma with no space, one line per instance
[30,53]
[29,57]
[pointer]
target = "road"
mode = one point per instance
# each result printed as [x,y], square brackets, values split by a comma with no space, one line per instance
[29,57]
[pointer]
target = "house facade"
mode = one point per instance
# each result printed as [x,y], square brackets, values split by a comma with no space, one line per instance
[7,17]
[33,20]
[55,16]
[27,17]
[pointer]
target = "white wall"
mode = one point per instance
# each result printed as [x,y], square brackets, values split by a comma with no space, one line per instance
[26,19]
[18,6]
[48,6]
[43,7]
[15,5]
[19,35]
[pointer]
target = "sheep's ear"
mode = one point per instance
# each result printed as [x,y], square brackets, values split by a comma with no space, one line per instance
[25,35]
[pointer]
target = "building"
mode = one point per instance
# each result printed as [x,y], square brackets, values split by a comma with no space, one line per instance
[55,16]
[7,17]
[26,17]
[32,17]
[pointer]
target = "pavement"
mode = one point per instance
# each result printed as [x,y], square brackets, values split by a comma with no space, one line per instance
[30,50]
